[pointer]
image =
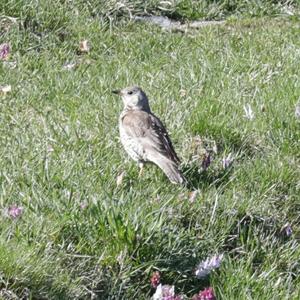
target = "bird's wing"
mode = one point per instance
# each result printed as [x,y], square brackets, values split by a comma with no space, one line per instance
[150,132]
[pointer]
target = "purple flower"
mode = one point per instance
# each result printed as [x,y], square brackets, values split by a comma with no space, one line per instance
[165,292]
[206,294]
[15,211]
[208,265]
[4,51]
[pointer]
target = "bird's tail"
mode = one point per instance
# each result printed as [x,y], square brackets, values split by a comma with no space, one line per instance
[170,168]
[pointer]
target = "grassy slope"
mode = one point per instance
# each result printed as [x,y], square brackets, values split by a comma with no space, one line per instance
[60,148]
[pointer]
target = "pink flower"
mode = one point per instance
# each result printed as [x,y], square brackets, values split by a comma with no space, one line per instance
[155,279]
[4,51]
[206,294]
[15,211]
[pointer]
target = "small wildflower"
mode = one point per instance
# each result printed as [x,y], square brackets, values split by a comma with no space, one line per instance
[165,292]
[4,51]
[206,294]
[15,211]
[155,279]
[206,266]
[248,112]
[227,161]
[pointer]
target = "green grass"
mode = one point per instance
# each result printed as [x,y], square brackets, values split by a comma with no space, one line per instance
[60,148]
[54,13]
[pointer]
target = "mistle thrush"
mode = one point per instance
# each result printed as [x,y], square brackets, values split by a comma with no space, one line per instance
[143,135]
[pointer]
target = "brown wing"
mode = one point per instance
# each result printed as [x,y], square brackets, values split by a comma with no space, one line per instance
[161,131]
[150,132]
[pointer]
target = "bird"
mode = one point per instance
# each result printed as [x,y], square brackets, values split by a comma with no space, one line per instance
[144,136]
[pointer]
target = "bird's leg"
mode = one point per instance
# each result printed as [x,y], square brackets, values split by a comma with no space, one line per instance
[141,166]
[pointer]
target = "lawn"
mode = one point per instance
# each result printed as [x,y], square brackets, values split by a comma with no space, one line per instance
[76,220]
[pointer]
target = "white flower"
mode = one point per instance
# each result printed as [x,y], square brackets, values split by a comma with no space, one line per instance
[163,291]
[206,266]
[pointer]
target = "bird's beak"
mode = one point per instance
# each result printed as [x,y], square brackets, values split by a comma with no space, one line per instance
[118,92]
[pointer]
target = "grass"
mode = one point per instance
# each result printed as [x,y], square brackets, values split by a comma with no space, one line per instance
[60,149]
[56,13]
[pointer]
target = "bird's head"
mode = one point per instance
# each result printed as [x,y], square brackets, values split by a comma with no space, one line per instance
[134,98]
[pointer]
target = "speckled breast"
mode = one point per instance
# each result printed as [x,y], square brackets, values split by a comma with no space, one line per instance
[131,145]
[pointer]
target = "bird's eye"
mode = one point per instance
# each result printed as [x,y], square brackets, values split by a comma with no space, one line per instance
[130,92]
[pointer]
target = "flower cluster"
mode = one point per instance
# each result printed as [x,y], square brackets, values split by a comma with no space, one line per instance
[15,211]
[206,266]
[206,294]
